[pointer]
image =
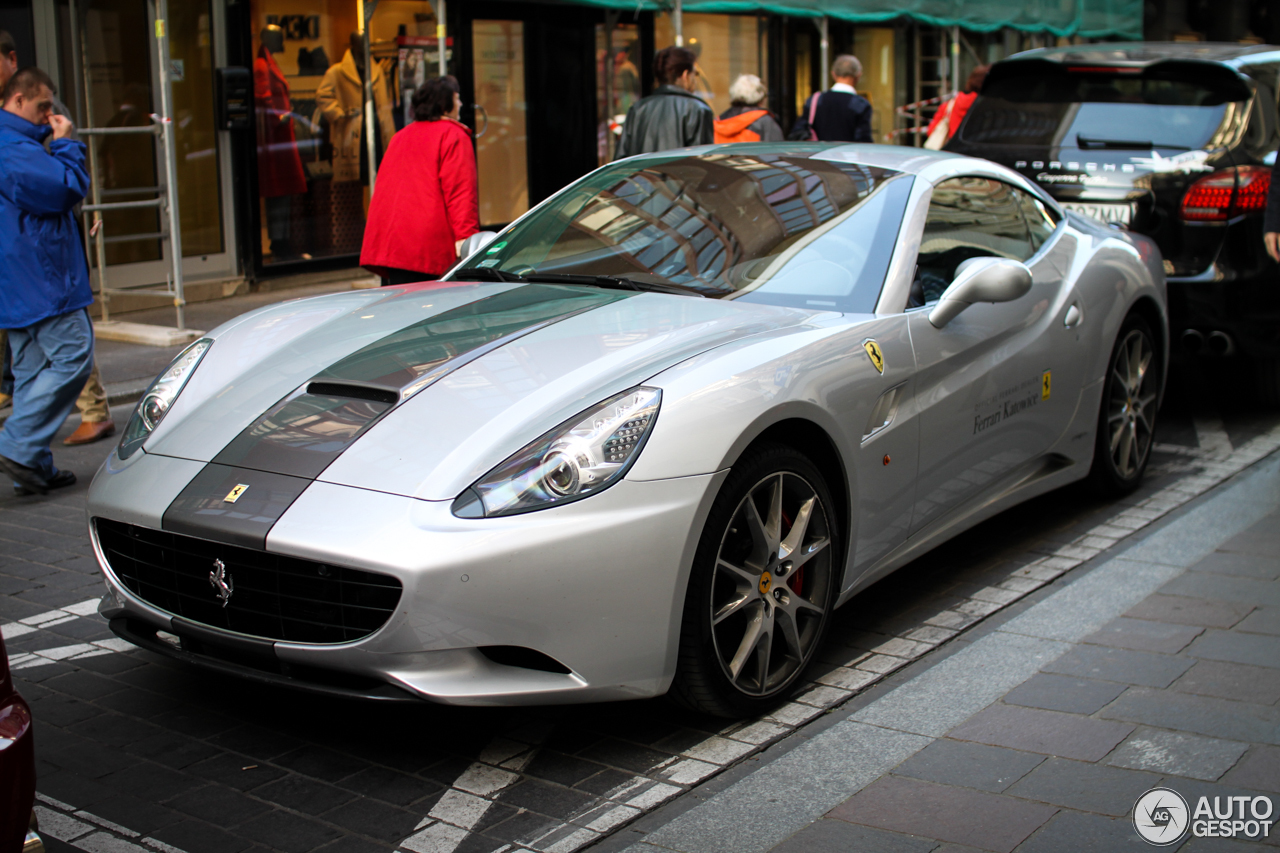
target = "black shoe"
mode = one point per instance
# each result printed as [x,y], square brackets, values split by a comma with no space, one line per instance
[60,480]
[29,480]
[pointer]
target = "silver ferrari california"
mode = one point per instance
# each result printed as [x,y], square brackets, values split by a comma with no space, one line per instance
[644,440]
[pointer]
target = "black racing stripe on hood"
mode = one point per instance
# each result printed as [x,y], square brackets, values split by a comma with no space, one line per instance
[278,456]
[233,505]
[302,434]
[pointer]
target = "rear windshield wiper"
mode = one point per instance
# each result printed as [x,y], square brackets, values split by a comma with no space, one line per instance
[486,274]
[615,282]
[1086,143]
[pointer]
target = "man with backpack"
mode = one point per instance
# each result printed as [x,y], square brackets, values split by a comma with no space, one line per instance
[747,120]
[839,114]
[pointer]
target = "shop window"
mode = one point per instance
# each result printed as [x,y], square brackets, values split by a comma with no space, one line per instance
[618,83]
[313,169]
[726,46]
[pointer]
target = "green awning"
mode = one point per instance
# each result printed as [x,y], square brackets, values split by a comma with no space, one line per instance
[1094,19]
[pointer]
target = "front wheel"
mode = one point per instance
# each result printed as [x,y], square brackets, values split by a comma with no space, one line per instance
[762,586]
[1127,417]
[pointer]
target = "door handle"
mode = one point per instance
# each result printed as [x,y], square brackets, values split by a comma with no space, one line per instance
[1073,317]
[485,113]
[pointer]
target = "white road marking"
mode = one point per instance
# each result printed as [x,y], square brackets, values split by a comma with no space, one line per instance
[1212,436]
[88,832]
[48,619]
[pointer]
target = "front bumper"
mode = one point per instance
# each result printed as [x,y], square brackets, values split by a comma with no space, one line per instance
[597,585]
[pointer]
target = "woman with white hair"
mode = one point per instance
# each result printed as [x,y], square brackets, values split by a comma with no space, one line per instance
[748,120]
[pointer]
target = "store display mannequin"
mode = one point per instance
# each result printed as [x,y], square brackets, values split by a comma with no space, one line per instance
[280,172]
[340,98]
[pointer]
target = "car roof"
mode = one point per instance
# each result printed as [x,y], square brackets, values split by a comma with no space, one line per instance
[899,158]
[1147,53]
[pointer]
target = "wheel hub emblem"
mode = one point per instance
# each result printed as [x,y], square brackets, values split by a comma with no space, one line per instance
[766,581]
[221,582]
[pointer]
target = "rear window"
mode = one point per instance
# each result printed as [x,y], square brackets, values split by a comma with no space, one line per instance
[1168,105]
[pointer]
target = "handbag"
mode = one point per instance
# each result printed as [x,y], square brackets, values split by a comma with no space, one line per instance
[941,131]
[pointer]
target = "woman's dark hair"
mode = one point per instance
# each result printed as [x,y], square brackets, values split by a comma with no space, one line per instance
[435,98]
[671,62]
[976,78]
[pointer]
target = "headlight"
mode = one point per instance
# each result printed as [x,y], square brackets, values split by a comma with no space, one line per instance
[155,404]
[578,458]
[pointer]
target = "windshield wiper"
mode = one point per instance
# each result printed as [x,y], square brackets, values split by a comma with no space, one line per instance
[615,282]
[488,274]
[1086,143]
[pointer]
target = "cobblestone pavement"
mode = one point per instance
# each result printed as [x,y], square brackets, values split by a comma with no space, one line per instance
[1156,670]
[137,752]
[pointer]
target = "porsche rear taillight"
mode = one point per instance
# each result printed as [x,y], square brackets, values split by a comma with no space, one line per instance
[1226,194]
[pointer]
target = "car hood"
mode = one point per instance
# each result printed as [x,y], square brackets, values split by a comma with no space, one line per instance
[421,391]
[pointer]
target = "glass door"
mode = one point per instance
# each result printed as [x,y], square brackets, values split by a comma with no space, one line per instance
[500,116]
[111,79]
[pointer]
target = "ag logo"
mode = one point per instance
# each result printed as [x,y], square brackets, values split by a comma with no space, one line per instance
[1044,384]
[1160,816]
[234,494]
[873,353]
[766,581]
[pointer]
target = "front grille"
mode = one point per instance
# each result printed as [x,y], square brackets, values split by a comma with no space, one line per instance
[274,596]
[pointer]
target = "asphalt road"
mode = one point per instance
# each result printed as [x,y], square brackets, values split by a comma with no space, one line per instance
[136,750]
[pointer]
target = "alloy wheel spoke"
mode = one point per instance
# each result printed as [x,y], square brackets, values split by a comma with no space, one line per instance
[795,537]
[786,622]
[764,647]
[773,525]
[759,535]
[813,550]
[1126,446]
[729,608]
[750,639]
[744,576]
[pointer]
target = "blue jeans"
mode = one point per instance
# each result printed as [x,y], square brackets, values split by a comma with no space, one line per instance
[51,361]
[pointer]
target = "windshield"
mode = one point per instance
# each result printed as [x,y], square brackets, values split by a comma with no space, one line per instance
[781,229]
[1086,108]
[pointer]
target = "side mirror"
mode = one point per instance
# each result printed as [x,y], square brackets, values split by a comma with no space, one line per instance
[981,280]
[475,243]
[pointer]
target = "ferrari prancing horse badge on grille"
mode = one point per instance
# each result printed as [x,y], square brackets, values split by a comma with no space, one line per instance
[234,494]
[221,582]
[873,353]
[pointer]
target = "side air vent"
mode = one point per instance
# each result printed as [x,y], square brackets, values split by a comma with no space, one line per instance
[523,658]
[353,392]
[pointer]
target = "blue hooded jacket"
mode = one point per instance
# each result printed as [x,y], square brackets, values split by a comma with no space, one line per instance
[43,272]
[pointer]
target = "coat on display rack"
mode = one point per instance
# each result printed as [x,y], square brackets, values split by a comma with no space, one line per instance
[340,99]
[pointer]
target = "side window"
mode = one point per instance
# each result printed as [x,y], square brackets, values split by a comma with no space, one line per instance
[1041,221]
[968,218]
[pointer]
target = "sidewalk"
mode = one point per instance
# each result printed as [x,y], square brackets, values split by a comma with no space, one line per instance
[1155,666]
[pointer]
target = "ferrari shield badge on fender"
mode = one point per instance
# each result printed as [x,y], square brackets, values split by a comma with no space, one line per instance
[234,494]
[873,353]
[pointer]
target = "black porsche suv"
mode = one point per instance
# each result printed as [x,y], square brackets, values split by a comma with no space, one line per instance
[1175,141]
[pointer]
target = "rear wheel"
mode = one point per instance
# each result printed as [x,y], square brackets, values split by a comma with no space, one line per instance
[762,586]
[1127,418]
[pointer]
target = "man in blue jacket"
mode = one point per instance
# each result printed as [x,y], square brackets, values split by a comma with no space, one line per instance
[45,286]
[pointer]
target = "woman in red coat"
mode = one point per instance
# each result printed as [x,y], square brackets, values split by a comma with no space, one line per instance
[426,200]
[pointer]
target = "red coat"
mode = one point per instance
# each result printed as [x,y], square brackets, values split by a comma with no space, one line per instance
[424,200]
[956,108]
[279,166]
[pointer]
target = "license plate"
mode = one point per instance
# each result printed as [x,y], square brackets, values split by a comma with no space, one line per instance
[1121,213]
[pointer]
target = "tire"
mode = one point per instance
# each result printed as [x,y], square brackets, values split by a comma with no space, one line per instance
[1127,415]
[753,618]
